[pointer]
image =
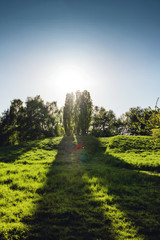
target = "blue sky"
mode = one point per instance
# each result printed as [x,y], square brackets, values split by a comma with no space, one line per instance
[51,47]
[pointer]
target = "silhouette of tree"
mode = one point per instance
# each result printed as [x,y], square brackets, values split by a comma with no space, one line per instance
[68,113]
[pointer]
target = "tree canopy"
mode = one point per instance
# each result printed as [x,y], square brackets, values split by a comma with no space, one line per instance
[77,113]
[36,119]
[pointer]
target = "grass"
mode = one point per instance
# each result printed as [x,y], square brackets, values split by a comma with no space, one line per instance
[48,192]
[137,152]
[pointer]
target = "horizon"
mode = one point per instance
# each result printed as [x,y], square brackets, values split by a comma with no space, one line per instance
[54,100]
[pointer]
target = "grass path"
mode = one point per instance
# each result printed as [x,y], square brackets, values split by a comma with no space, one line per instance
[55,195]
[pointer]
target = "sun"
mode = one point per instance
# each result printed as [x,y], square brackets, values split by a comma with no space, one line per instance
[71,77]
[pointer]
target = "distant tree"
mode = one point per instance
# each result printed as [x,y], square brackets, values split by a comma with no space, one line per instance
[82,112]
[77,113]
[150,119]
[34,121]
[35,124]
[151,122]
[68,114]
[103,122]
[16,114]
[58,123]
[95,121]
[77,103]
[41,119]
[10,123]
[133,123]
[121,128]
[5,128]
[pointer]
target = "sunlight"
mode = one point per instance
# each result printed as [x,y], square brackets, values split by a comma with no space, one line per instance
[121,224]
[70,78]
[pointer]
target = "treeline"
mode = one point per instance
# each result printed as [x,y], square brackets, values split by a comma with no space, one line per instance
[35,119]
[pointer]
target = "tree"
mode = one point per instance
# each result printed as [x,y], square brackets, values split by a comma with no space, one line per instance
[77,113]
[16,116]
[121,128]
[133,124]
[10,123]
[82,112]
[5,128]
[77,126]
[68,114]
[103,122]
[151,121]
[33,121]
[41,119]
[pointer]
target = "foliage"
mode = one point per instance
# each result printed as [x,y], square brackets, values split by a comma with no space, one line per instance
[36,120]
[129,143]
[41,118]
[156,137]
[150,120]
[10,123]
[77,114]
[103,122]
[133,124]
[68,114]
[83,112]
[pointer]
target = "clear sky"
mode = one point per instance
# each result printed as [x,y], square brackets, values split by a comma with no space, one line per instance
[109,47]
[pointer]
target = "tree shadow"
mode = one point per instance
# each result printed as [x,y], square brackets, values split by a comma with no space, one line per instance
[78,199]
[10,154]
[67,208]
[135,194]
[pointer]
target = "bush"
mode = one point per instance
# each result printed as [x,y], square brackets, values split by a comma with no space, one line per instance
[131,143]
[156,137]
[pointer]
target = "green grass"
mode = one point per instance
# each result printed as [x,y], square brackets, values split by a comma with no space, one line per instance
[48,192]
[137,152]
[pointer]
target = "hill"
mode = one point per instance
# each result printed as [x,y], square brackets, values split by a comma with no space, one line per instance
[106,189]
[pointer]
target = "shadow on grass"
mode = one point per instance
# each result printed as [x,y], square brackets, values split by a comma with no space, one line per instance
[10,154]
[67,208]
[103,199]
[135,194]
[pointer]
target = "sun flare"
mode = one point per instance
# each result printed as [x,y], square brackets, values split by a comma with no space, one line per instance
[71,77]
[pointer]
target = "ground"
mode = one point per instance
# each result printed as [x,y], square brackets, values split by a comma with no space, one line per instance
[109,189]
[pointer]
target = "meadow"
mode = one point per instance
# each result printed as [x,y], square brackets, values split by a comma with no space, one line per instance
[107,190]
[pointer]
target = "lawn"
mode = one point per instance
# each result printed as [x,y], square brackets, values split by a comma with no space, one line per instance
[108,190]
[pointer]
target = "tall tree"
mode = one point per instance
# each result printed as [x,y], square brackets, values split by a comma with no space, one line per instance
[77,127]
[77,114]
[68,114]
[83,112]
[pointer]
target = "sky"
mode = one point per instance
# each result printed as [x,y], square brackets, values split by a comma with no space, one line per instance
[109,47]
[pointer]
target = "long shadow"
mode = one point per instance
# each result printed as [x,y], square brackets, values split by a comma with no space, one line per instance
[67,209]
[135,194]
[10,154]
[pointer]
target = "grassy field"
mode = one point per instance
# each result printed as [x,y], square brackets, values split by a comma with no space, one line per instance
[109,190]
